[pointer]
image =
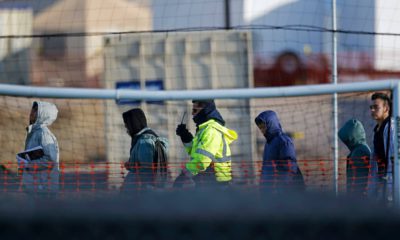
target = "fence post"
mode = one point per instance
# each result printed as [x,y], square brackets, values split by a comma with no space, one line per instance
[335,144]
[396,152]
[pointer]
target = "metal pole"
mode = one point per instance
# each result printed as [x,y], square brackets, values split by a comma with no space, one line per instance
[335,100]
[227,15]
[177,95]
[396,152]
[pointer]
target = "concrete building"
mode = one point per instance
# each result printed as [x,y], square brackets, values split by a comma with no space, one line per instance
[69,53]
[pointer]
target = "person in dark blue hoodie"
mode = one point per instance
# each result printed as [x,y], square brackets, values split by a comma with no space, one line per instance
[280,172]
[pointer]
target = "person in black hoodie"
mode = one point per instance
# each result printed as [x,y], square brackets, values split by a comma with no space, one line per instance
[142,173]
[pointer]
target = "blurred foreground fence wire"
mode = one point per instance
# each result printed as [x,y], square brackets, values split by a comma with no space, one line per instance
[96,178]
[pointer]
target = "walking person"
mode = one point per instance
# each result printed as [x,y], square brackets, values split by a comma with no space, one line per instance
[41,175]
[210,161]
[360,168]
[280,172]
[147,164]
[383,145]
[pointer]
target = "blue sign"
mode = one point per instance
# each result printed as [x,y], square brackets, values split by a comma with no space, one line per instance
[152,85]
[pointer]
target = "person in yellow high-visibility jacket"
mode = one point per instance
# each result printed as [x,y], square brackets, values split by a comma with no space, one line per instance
[209,150]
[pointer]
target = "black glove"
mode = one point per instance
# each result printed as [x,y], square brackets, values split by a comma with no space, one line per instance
[184,133]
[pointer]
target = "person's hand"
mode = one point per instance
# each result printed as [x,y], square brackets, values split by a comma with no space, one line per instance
[184,133]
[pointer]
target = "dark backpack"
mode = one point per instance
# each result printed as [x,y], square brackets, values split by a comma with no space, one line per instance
[160,160]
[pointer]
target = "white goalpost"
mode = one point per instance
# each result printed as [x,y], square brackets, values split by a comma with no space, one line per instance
[175,101]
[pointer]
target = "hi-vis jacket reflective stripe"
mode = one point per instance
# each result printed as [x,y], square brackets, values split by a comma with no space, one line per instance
[211,144]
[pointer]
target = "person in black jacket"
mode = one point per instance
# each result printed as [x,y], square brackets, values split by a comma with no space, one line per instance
[383,144]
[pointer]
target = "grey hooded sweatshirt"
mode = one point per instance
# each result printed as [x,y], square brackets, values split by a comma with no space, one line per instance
[42,175]
[360,169]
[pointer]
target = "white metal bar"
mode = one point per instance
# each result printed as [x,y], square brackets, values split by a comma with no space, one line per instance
[251,102]
[239,93]
[142,65]
[396,153]
[335,144]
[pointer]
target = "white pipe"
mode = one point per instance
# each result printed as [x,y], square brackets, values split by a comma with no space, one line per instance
[177,95]
[396,153]
[335,144]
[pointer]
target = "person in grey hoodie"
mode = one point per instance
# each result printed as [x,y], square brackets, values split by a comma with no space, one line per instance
[41,175]
[360,169]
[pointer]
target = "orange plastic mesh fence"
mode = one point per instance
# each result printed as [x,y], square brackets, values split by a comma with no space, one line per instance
[96,178]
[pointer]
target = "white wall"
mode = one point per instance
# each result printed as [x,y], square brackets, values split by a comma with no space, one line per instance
[387,51]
